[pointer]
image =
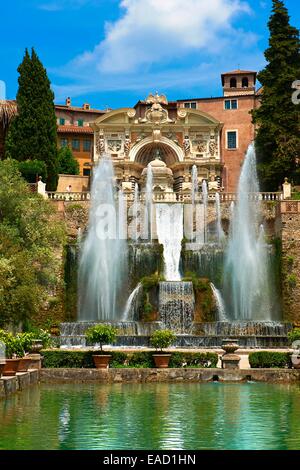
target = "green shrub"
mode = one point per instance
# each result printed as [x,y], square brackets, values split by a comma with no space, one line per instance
[202,360]
[102,334]
[31,169]
[161,339]
[294,335]
[13,345]
[58,358]
[269,359]
[292,280]
[26,339]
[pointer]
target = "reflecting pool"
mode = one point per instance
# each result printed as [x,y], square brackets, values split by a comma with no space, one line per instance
[152,417]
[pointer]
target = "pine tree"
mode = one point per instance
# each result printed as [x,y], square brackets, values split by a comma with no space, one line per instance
[33,133]
[67,164]
[278,135]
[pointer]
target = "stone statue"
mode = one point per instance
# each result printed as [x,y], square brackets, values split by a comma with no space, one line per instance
[187,145]
[213,185]
[201,146]
[127,145]
[212,147]
[100,145]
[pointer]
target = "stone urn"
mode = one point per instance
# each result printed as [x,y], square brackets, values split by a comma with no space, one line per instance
[296,359]
[230,360]
[101,361]
[37,346]
[161,360]
[230,346]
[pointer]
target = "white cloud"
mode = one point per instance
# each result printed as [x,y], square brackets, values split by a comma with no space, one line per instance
[152,41]
[151,31]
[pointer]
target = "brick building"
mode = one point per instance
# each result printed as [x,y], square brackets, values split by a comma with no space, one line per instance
[211,133]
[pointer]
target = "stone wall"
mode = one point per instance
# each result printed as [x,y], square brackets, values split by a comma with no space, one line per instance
[10,385]
[167,375]
[288,229]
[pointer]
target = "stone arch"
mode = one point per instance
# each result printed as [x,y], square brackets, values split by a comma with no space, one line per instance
[171,152]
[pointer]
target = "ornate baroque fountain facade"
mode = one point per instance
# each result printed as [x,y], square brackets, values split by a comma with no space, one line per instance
[182,137]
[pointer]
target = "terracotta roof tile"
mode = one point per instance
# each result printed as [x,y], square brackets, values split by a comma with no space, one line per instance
[75,130]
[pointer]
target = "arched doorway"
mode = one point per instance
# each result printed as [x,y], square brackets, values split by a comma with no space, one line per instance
[147,150]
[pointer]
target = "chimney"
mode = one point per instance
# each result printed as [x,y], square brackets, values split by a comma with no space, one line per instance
[68,101]
[86,106]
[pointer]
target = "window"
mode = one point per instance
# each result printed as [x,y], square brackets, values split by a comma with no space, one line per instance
[76,145]
[245,82]
[64,142]
[86,172]
[80,122]
[231,104]
[62,121]
[233,83]
[87,145]
[191,105]
[231,140]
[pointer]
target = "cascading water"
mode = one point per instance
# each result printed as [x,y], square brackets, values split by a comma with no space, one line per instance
[247,276]
[133,303]
[169,225]
[122,216]
[149,203]
[103,267]
[220,303]
[176,306]
[220,232]
[205,203]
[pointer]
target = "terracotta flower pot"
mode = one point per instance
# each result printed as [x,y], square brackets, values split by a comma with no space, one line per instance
[11,367]
[24,364]
[101,361]
[162,360]
[2,365]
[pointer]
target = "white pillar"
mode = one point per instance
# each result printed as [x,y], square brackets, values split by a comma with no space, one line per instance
[287,189]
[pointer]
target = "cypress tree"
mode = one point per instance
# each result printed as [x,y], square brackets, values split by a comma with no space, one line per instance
[33,133]
[278,138]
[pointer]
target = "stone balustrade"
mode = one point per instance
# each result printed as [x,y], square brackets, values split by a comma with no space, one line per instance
[168,197]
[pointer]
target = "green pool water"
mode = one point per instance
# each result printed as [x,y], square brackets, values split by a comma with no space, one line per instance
[152,417]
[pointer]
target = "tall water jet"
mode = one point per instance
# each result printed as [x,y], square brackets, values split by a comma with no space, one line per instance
[149,203]
[169,225]
[136,213]
[205,203]
[122,211]
[247,275]
[102,267]
[195,186]
[220,231]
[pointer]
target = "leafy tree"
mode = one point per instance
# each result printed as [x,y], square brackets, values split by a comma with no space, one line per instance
[30,238]
[33,133]
[67,164]
[30,169]
[278,136]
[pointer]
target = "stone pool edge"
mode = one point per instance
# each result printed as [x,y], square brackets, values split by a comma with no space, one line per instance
[11,385]
[21,381]
[110,376]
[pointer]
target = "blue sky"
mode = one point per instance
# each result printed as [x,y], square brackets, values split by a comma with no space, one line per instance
[111,53]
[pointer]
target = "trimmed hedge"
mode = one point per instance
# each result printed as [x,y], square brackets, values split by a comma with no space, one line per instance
[269,359]
[54,358]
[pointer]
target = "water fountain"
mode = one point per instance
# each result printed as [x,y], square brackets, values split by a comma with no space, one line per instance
[245,301]
[102,267]
[149,204]
[169,224]
[247,274]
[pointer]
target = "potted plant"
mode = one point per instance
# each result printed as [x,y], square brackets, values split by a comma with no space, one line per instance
[13,351]
[101,334]
[161,339]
